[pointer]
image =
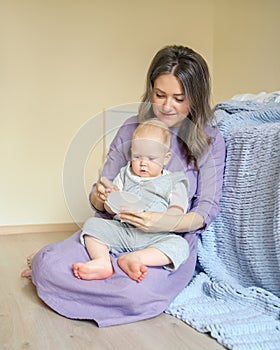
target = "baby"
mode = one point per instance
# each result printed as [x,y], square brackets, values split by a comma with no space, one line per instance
[160,191]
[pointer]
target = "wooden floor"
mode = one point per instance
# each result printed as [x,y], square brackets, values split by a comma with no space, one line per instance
[27,323]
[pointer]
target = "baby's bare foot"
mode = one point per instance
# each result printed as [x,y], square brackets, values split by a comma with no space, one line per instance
[27,273]
[133,267]
[93,270]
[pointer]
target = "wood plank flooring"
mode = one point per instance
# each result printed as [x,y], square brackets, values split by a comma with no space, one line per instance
[27,323]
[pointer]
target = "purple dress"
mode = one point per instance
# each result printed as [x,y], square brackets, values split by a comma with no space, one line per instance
[119,299]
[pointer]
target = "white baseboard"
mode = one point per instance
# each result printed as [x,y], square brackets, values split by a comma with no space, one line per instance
[70,227]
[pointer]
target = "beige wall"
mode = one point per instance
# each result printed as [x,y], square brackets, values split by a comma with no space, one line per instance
[246,47]
[63,61]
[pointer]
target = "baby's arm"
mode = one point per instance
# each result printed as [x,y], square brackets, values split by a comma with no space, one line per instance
[178,201]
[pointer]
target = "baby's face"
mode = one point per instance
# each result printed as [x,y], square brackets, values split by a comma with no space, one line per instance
[148,157]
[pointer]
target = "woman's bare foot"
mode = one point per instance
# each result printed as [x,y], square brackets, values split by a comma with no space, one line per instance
[27,273]
[97,269]
[133,267]
[29,260]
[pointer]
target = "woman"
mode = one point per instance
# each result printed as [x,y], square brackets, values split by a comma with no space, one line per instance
[178,94]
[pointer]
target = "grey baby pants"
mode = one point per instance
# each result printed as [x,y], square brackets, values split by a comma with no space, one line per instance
[122,237]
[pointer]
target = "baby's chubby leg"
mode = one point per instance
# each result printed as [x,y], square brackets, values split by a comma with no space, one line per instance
[100,265]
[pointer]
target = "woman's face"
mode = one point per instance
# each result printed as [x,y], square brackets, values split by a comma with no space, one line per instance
[169,101]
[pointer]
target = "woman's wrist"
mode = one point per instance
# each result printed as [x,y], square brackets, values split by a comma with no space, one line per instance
[189,222]
[96,201]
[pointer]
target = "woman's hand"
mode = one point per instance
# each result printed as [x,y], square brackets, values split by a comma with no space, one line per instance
[158,222]
[102,189]
[151,221]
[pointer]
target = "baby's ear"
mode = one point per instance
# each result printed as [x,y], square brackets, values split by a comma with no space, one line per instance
[167,158]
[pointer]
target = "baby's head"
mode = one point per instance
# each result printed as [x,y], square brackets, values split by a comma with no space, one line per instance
[150,148]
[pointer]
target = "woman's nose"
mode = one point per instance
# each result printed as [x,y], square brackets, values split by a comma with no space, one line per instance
[167,103]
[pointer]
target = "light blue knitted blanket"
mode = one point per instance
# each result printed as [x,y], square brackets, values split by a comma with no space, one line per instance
[236,295]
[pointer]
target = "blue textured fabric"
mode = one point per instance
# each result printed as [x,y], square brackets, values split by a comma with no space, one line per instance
[236,296]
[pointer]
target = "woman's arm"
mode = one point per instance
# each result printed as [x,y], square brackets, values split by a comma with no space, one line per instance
[95,201]
[167,221]
[117,157]
[189,222]
[210,179]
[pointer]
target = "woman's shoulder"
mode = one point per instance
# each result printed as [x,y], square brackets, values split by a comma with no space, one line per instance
[212,131]
[130,122]
[126,130]
[217,146]
[215,134]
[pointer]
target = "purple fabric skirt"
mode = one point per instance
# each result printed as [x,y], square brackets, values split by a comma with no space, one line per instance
[113,301]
